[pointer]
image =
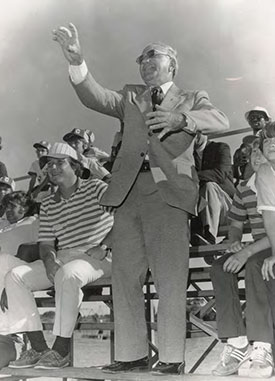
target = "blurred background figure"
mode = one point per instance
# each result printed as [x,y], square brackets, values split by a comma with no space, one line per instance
[3,169]
[7,185]
[39,186]
[82,140]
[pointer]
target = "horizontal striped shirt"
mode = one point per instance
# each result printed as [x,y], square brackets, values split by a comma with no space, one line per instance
[79,221]
[244,208]
[266,187]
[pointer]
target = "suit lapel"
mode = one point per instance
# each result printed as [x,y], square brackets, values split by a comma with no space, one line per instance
[172,98]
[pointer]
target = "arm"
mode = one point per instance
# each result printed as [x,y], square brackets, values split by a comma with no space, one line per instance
[48,255]
[32,182]
[91,93]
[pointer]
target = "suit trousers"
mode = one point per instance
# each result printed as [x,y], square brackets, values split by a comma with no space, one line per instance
[21,278]
[230,323]
[148,233]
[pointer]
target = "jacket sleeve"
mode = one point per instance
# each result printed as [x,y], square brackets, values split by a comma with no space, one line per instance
[98,98]
[206,117]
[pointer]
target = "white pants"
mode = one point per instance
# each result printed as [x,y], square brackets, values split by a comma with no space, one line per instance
[218,204]
[20,280]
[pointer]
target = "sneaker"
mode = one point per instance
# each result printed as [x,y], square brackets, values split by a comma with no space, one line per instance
[53,360]
[140,365]
[165,368]
[258,365]
[27,359]
[231,360]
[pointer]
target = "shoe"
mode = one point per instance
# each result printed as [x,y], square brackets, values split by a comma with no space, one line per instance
[231,359]
[258,365]
[163,368]
[27,359]
[140,365]
[53,360]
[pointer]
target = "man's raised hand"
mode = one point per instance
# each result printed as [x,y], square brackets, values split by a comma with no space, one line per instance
[69,42]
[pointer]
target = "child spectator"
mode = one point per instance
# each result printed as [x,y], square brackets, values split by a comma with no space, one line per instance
[7,185]
[80,140]
[237,354]
[22,222]
[39,186]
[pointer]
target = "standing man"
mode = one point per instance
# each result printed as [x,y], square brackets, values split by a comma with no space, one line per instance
[154,188]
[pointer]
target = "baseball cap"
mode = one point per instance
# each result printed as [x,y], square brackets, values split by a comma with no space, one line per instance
[158,48]
[257,109]
[43,144]
[82,134]
[62,151]
[8,181]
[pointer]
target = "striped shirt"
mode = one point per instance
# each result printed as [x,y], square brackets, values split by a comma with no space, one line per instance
[244,208]
[266,187]
[79,221]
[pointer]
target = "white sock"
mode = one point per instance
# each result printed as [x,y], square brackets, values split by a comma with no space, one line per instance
[260,344]
[238,342]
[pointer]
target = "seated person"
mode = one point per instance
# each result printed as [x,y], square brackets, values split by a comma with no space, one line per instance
[7,185]
[257,119]
[39,186]
[237,354]
[79,139]
[23,223]
[265,183]
[242,169]
[74,218]
[216,191]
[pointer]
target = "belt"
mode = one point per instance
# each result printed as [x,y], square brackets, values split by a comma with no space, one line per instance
[145,167]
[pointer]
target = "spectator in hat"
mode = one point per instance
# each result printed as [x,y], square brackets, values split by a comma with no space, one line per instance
[81,141]
[73,228]
[3,169]
[257,119]
[39,186]
[154,189]
[7,185]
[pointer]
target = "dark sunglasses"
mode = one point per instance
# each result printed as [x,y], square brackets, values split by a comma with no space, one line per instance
[149,55]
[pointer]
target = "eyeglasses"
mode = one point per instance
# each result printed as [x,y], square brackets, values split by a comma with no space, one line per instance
[151,54]
[56,162]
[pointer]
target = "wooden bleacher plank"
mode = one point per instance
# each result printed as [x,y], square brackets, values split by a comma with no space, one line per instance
[94,373]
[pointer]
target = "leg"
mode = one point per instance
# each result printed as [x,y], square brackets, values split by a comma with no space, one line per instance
[128,275]
[167,245]
[19,284]
[259,321]
[69,280]
[215,212]
[229,314]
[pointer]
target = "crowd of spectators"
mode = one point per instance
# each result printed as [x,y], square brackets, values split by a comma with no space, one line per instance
[162,170]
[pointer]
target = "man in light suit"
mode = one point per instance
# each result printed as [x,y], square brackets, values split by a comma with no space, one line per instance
[154,188]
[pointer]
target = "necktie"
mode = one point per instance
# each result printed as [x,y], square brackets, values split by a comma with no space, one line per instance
[157,96]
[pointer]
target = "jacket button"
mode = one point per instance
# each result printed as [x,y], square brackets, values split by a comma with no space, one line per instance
[150,133]
[142,154]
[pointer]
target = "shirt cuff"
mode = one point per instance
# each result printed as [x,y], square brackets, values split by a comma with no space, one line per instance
[78,72]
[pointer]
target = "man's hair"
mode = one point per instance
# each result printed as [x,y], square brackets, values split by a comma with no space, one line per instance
[175,66]
[267,132]
[20,198]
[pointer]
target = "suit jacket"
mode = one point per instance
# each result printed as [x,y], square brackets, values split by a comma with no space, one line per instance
[171,161]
